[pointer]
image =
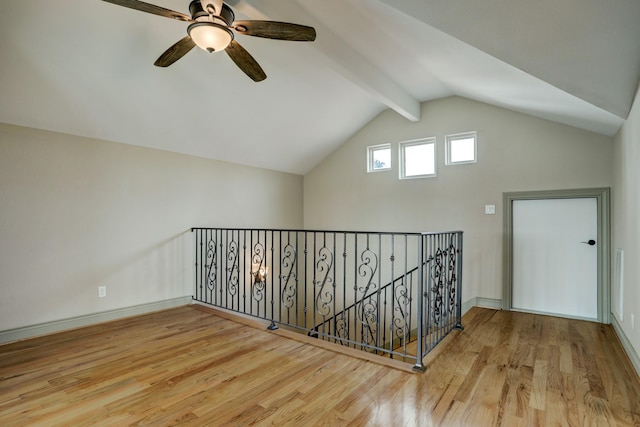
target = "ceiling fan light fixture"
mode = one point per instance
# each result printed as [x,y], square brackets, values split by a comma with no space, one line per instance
[210,36]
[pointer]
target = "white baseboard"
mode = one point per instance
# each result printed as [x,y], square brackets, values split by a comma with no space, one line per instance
[89,319]
[626,344]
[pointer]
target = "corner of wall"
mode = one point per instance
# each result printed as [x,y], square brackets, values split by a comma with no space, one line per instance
[492,303]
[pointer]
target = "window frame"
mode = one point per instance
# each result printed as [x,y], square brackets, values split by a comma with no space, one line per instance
[421,141]
[370,157]
[456,137]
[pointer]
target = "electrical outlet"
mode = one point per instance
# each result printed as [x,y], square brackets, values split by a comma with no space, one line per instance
[102,291]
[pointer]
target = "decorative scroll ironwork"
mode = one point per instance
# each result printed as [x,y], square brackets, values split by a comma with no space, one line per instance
[324,266]
[341,328]
[232,270]
[367,307]
[211,265]
[368,316]
[443,276]
[257,259]
[289,259]
[400,317]
[437,276]
[453,257]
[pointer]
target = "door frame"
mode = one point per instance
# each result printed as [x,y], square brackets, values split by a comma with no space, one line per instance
[603,198]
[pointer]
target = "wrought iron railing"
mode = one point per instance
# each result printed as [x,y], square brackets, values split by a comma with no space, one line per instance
[373,291]
[397,328]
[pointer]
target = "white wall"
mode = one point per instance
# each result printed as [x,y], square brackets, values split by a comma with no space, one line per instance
[516,152]
[626,220]
[76,213]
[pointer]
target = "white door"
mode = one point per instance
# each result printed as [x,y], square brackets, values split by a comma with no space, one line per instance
[555,257]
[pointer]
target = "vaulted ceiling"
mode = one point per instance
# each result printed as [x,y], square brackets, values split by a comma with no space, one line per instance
[85,67]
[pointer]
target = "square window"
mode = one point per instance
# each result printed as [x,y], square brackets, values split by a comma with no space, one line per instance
[418,158]
[461,148]
[379,158]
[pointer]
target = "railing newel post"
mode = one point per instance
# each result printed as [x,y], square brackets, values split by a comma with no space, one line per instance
[419,366]
[459,326]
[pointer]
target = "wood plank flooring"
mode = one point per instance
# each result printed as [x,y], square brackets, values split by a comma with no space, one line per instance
[188,366]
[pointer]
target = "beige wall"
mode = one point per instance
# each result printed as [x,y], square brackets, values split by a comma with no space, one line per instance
[516,152]
[626,220]
[76,213]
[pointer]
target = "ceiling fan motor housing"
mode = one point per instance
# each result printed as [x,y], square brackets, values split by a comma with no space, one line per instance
[195,7]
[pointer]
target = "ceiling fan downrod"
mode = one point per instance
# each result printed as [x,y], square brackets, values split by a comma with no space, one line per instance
[199,13]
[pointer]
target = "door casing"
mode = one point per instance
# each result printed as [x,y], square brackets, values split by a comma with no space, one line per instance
[603,197]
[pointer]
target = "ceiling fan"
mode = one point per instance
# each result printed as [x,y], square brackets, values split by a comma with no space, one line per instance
[210,28]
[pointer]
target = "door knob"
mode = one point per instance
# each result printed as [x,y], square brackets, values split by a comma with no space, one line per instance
[590,242]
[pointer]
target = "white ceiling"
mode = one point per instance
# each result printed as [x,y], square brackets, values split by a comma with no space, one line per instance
[85,67]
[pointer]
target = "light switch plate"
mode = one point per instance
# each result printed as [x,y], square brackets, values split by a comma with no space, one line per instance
[490,209]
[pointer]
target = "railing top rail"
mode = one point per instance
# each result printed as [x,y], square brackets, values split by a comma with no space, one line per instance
[433,233]
[294,230]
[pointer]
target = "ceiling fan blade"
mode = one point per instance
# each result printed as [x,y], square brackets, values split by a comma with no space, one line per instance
[245,61]
[151,8]
[276,30]
[175,52]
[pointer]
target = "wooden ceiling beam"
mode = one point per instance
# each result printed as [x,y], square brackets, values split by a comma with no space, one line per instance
[340,57]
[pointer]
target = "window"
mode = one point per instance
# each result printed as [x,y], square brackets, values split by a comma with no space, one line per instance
[379,158]
[461,148]
[418,158]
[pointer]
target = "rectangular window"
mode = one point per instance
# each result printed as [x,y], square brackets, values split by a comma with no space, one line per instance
[418,158]
[379,158]
[461,148]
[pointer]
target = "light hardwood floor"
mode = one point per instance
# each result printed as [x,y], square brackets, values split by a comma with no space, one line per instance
[193,367]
